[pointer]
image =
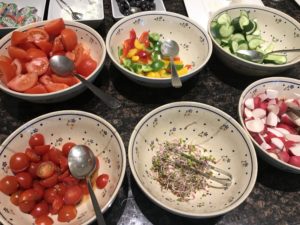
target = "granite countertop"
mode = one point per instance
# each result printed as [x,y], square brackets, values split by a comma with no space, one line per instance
[275,197]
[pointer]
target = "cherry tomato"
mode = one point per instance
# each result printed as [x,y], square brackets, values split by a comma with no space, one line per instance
[18,37]
[7,72]
[37,89]
[19,162]
[67,213]
[69,39]
[23,82]
[54,87]
[63,163]
[15,52]
[27,206]
[97,163]
[45,46]
[86,66]
[73,195]
[54,27]
[39,190]
[39,66]
[41,149]
[57,204]
[14,198]
[102,181]
[62,176]
[61,189]
[55,155]
[84,187]
[45,169]
[33,53]
[70,180]
[67,147]
[37,34]
[24,179]
[32,168]
[43,220]
[36,140]
[9,185]
[32,155]
[50,194]
[28,196]
[40,209]
[50,181]
[68,80]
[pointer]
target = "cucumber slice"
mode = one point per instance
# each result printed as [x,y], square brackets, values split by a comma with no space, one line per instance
[237,37]
[255,42]
[244,13]
[243,22]
[243,46]
[233,45]
[251,27]
[249,37]
[275,59]
[225,41]
[224,19]
[226,30]
[235,23]
[227,49]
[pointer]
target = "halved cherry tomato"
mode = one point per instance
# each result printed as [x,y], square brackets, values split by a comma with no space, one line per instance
[9,185]
[86,66]
[102,181]
[73,195]
[39,190]
[68,80]
[45,169]
[18,37]
[50,181]
[67,213]
[67,148]
[70,180]
[33,53]
[57,45]
[7,72]
[43,220]
[15,52]
[84,187]
[54,27]
[26,206]
[63,163]
[144,38]
[62,176]
[45,46]
[61,189]
[32,168]
[32,155]
[41,149]
[57,204]
[50,194]
[24,179]
[36,139]
[69,39]
[38,65]
[19,162]
[14,198]
[23,82]
[28,196]
[37,89]
[55,155]
[40,209]
[53,87]
[37,34]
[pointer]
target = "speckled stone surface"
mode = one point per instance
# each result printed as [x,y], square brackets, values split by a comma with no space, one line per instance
[275,199]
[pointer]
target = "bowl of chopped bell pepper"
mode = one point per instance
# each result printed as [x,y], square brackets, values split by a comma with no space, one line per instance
[134,46]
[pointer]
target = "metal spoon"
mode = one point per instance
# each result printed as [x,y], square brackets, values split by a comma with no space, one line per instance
[256,56]
[132,9]
[63,66]
[75,15]
[82,164]
[170,49]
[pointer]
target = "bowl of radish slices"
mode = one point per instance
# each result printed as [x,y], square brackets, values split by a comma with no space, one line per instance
[269,110]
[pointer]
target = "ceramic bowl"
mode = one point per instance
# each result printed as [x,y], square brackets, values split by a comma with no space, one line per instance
[58,128]
[275,26]
[195,48]
[208,127]
[88,37]
[288,88]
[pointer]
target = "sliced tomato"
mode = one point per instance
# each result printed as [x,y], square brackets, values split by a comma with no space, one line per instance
[86,66]
[54,27]
[43,220]
[5,58]
[15,52]
[67,213]
[32,155]
[45,79]
[127,45]
[18,66]
[41,149]
[69,39]
[45,169]
[57,204]
[45,46]
[57,45]
[38,65]
[69,80]
[7,72]
[54,155]
[26,45]
[18,37]
[144,38]
[53,87]
[33,53]
[37,89]
[70,55]
[23,82]
[50,181]
[80,53]
[132,34]
[37,34]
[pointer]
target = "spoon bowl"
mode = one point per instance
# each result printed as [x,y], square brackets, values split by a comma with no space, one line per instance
[132,9]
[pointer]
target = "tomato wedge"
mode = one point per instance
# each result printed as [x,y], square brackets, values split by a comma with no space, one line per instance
[37,34]
[68,80]
[144,38]
[7,72]
[18,37]
[33,53]
[23,82]
[45,46]
[38,65]
[53,87]
[86,66]
[15,52]
[57,45]
[37,89]
[54,27]
[69,39]
[5,59]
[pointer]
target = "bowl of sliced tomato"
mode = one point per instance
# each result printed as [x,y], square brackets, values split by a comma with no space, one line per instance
[36,186]
[25,53]
[134,46]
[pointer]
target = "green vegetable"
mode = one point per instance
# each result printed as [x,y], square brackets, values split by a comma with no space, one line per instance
[177,66]
[155,56]
[154,37]
[120,51]
[157,65]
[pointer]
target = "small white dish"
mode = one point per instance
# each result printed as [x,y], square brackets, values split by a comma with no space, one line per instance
[298,2]
[92,10]
[118,15]
[201,10]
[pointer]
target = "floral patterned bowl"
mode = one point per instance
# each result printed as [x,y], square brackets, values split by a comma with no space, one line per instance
[194,43]
[288,88]
[86,35]
[275,26]
[195,123]
[58,128]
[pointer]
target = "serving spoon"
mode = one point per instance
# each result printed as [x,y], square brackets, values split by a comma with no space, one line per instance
[63,66]
[132,9]
[82,164]
[256,56]
[170,48]
[75,15]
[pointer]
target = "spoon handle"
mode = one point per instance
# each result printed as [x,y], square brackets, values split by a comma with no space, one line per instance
[107,99]
[99,215]
[287,50]
[176,82]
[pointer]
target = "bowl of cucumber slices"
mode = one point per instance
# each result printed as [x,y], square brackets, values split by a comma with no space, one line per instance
[262,30]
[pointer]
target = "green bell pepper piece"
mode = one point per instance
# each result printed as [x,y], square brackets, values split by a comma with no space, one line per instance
[157,65]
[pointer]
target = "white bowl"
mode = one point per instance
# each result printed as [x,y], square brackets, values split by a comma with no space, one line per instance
[58,128]
[288,88]
[195,48]
[87,36]
[275,26]
[199,124]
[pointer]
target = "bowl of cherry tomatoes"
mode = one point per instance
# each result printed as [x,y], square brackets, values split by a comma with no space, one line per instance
[36,186]
[25,54]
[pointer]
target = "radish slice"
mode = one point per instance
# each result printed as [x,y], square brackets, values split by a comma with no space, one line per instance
[295,161]
[265,146]
[272,119]
[285,118]
[293,137]
[295,150]
[278,143]
[292,103]
[273,155]
[248,113]
[259,113]
[249,103]
[263,97]
[275,132]
[273,108]
[284,156]
[282,130]
[294,117]
[271,94]
[255,125]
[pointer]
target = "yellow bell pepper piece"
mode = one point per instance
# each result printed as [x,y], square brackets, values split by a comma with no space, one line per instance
[132,52]
[138,45]
[183,71]
[135,58]
[153,74]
